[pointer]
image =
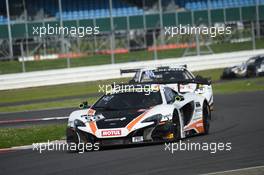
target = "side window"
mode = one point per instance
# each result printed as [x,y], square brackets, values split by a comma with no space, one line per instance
[169,95]
[147,76]
[259,61]
[136,77]
[189,75]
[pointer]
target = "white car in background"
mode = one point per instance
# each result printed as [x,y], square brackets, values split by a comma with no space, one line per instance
[253,67]
[178,78]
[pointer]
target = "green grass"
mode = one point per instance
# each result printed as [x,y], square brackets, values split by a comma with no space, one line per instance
[26,136]
[213,74]
[237,86]
[48,105]
[15,66]
[49,92]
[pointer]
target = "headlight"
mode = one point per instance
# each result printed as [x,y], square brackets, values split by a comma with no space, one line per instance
[154,118]
[78,123]
[199,88]
[93,117]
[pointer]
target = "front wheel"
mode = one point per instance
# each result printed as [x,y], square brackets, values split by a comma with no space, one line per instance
[206,118]
[176,127]
[79,141]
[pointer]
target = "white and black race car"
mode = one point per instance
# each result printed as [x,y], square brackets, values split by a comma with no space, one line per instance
[178,78]
[253,67]
[156,113]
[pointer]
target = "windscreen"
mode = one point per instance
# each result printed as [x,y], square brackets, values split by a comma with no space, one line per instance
[128,100]
[165,75]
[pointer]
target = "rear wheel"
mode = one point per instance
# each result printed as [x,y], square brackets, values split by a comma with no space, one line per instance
[256,73]
[206,118]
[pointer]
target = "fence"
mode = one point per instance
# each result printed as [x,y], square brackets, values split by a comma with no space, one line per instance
[130,32]
[93,73]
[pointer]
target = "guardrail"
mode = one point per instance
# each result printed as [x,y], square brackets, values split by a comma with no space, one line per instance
[103,72]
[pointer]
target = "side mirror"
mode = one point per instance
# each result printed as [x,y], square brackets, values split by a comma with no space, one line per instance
[179,98]
[203,80]
[84,105]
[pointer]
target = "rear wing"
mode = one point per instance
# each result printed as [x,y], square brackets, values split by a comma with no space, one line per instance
[125,71]
[173,67]
[202,81]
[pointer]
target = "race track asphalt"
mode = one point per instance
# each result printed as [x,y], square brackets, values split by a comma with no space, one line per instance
[36,114]
[237,119]
[23,119]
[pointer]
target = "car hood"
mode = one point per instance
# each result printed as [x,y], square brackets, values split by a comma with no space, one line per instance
[235,68]
[231,68]
[117,118]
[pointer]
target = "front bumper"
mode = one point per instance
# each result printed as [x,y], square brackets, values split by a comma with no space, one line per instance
[156,133]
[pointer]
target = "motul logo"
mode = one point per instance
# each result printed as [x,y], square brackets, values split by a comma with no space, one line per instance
[111,133]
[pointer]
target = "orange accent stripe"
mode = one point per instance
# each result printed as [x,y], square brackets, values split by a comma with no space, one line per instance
[135,121]
[93,127]
[199,128]
[91,111]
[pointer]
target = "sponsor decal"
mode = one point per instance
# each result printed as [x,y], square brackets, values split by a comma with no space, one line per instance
[185,87]
[137,139]
[116,132]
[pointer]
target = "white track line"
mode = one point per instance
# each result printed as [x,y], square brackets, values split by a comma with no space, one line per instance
[236,170]
[32,120]
[27,147]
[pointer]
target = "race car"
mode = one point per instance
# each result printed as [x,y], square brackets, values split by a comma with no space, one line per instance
[252,67]
[155,113]
[256,68]
[178,78]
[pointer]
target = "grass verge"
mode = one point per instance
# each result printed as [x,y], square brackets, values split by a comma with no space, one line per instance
[51,92]
[47,105]
[213,74]
[25,136]
[237,86]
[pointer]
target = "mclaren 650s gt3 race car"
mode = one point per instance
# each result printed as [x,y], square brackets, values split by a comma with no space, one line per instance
[139,116]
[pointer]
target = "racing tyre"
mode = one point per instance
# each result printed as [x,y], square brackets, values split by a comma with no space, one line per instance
[176,127]
[81,139]
[256,72]
[206,118]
